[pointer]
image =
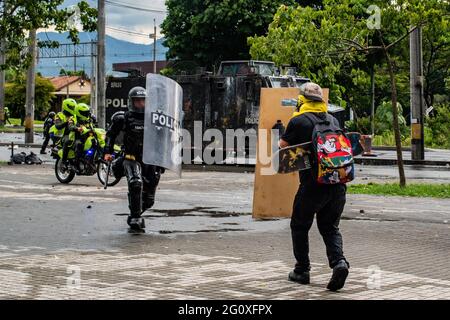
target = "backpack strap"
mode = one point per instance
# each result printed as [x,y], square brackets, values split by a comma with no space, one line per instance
[316,120]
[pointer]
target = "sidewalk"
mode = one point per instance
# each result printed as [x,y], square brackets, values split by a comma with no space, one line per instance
[384,156]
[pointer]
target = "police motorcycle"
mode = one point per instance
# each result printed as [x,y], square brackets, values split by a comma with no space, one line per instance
[91,161]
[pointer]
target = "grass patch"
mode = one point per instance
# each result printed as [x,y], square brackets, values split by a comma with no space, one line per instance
[411,190]
[19,129]
[16,121]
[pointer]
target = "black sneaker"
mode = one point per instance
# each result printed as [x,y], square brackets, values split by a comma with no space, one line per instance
[340,273]
[302,278]
[136,223]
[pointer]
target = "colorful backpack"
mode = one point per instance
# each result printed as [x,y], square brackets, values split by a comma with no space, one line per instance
[332,156]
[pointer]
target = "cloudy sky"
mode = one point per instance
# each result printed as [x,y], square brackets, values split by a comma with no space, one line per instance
[119,16]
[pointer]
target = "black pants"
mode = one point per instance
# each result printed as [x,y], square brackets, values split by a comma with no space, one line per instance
[67,143]
[142,181]
[46,140]
[328,202]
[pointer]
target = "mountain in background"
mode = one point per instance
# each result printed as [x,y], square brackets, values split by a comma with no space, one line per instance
[116,51]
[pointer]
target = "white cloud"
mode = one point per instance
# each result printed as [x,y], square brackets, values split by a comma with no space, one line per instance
[139,21]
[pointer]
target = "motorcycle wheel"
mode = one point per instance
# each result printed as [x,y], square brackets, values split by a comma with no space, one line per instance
[63,176]
[102,169]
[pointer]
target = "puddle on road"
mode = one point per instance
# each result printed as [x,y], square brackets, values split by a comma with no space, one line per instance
[200,231]
[194,212]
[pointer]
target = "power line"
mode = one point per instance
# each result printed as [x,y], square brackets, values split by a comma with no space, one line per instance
[125,5]
[129,32]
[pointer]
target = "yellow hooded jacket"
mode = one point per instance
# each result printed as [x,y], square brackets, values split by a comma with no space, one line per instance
[304,105]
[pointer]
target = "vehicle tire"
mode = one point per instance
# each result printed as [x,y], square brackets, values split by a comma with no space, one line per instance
[63,177]
[102,168]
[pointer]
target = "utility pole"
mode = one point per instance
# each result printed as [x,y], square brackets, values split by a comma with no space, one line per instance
[101,79]
[31,81]
[93,79]
[2,83]
[372,100]
[153,35]
[417,99]
[2,74]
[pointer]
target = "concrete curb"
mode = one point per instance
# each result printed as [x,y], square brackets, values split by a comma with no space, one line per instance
[390,162]
[21,145]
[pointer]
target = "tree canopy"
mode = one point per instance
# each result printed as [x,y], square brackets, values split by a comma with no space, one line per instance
[340,42]
[18,17]
[207,32]
[333,45]
[15,95]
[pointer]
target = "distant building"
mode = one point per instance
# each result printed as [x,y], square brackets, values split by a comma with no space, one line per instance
[139,68]
[74,87]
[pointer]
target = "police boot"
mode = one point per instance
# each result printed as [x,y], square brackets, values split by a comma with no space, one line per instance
[302,278]
[340,273]
[137,224]
[134,219]
[148,200]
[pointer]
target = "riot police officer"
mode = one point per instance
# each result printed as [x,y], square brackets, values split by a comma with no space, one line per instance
[142,179]
[48,123]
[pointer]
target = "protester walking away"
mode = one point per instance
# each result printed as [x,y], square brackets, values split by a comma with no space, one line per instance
[48,123]
[142,179]
[322,188]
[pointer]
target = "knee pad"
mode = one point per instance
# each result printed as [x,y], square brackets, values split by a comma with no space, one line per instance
[135,184]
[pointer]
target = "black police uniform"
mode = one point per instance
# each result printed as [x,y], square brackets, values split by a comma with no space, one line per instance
[49,122]
[142,179]
[327,201]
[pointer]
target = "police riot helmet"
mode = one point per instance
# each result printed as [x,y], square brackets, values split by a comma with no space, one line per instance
[118,115]
[136,100]
[51,114]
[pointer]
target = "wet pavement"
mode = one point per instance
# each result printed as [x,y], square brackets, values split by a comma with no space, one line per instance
[71,242]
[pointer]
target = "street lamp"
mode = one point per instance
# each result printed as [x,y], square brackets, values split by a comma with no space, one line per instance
[66,76]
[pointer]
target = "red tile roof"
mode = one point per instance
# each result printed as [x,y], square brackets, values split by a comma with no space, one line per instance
[62,82]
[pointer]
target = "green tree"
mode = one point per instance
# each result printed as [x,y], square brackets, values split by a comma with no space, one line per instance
[80,73]
[207,32]
[439,127]
[384,118]
[336,42]
[17,17]
[436,43]
[85,99]
[15,94]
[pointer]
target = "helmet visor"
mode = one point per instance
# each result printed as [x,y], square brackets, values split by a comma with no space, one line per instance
[84,114]
[137,104]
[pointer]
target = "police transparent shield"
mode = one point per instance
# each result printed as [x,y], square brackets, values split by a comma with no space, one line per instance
[162,127]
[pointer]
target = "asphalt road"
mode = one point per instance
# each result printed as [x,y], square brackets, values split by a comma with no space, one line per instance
[202,242]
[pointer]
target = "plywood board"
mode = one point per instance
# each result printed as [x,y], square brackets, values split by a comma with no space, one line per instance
[273,193]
